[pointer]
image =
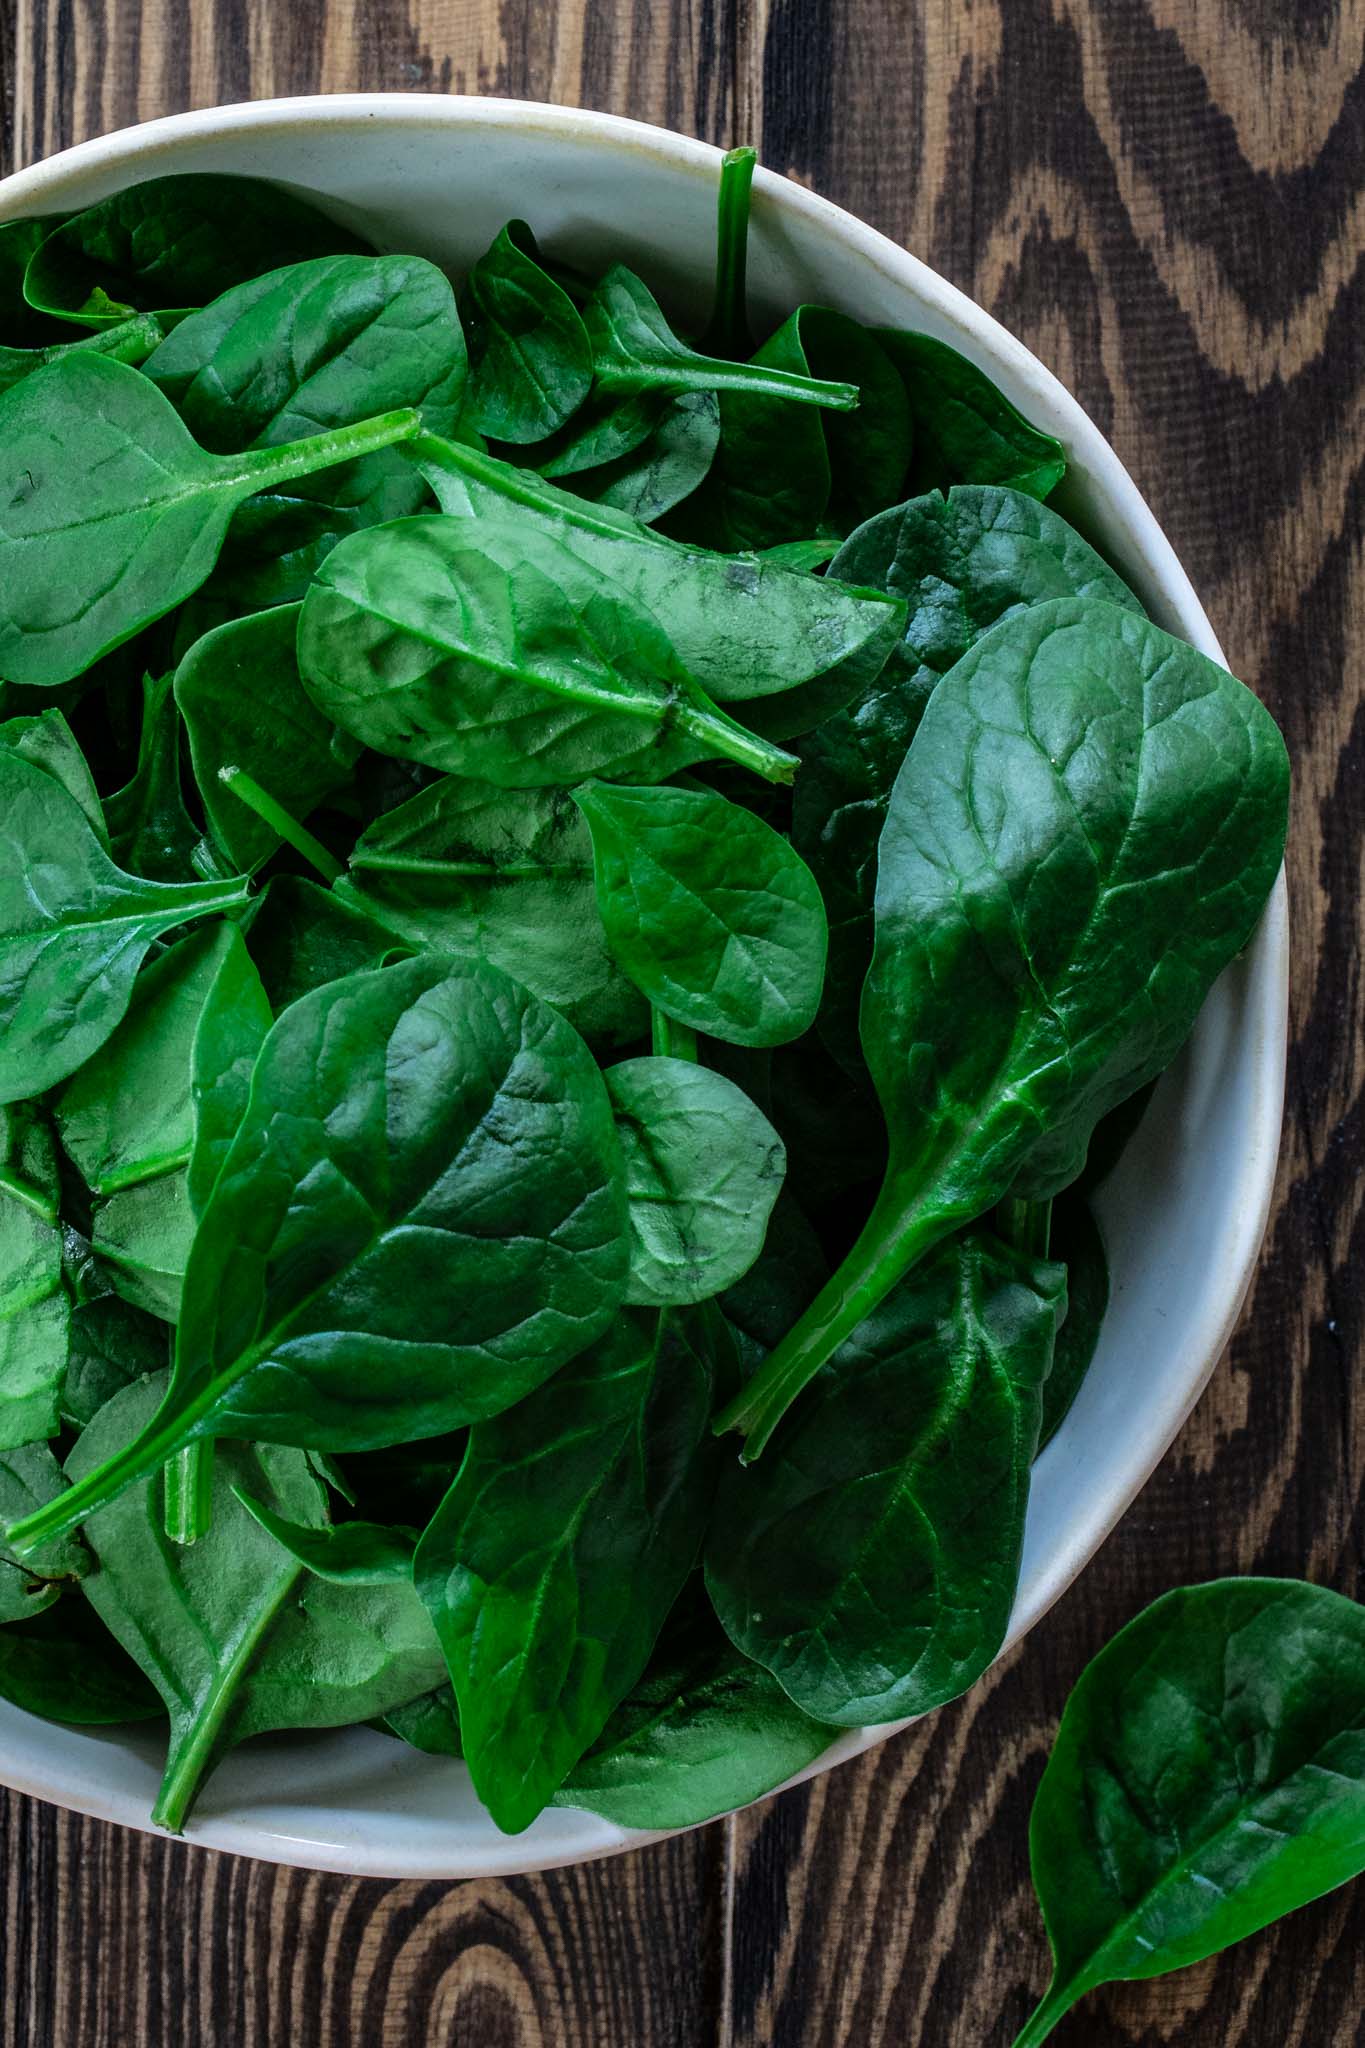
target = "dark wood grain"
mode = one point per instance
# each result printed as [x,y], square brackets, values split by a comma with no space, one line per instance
[1166,199]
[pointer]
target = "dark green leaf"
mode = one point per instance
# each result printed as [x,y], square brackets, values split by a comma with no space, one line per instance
[244,707]
[665,464]
[708,910]
[465,867]
[301,936]
[551,1564]
[29,1477]
[1077,1241]
[49,743]
[703,1169]
[486,648]
[231,1030]
[68,957]
[142,1235]
[67,1667]
[351,1554]
[1083,835]
[961,564]
[111,1345]
[1208,1777]
[173,243]
[132,341]
[110,514]
[530,360]
[702,1732]
[870,1562]
[744,629]
[430,1723]
[378,1263]
[233,1634]
[966,431]
[150,831]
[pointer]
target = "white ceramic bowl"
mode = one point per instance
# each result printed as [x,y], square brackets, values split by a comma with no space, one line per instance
[1186,1211]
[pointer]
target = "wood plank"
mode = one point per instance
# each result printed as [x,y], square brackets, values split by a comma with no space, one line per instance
[1163,198]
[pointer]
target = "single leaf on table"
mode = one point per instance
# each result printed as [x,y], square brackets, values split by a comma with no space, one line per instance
[1082,837]
[966,430]
[300,935]
[171,244]
[634,349]
[430,1723]
[236,1637]
[377,1263]
[781,475]
[743,628]
[110,514]
[150,831]
[708,910]
[530,360]
[1077,1240]
[34,1313]
[29,1477]
[702,1732]
[960,564]
[48,742]
[870,1563]
[65,1666]
[550,1566]
[703,1169]
[132,341]
[244,707]
[111,1345]
[506,875]
[313,346]
[487,648]
[347,1554]
[1207,1778]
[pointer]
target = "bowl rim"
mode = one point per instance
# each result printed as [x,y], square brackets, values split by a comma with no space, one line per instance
[39,185]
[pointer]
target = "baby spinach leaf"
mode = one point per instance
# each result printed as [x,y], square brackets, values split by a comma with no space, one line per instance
[110,514]
[171,244]
[127,1115]
[150,831]
[708,910]
[1083,835]
[430,1723]
[351,1554]
[279,538]
[703,1169]
[665,465]
[314,346]
[744,628]
[49,743]
[465,867]
[552,1562]
[111,1345]
[484,647]
[781,476]
[229,1034]
[377,1263]
[233,1634]
[244,707]
[530,360]
[761,1306]
[870,1563]
[29,1477]
[143,1236]
[961,563]
[68,958]
[20,325]
[966,430]
[33,1355]
[132,341]
[1208,1777]
[635,349]
[1075,1239]
[300,936]
[703,1731]
[66,1666]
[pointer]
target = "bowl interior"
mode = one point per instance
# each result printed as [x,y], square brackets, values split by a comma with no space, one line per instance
[1184,1213]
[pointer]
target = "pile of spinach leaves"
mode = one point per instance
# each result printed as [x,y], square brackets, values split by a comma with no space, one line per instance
[566,885]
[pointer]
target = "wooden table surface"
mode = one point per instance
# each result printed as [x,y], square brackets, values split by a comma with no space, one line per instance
[1166,200]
